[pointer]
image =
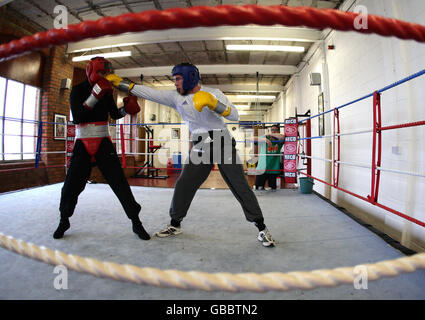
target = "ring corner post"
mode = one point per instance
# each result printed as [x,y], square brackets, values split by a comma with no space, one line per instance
[376,148]
[38,146]
[336,156]
[308,147]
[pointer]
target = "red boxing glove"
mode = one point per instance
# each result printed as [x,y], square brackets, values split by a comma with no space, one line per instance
[100,89]
[130,105]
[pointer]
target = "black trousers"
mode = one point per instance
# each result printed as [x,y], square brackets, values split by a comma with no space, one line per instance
[260,180]
[195,173]
[79,172]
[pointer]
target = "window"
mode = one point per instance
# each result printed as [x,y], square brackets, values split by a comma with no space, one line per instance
[19,105]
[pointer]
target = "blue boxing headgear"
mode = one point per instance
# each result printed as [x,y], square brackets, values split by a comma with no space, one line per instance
[190,74]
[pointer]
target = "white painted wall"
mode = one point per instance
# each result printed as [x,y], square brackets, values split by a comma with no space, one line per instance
[359,65]
[277,112]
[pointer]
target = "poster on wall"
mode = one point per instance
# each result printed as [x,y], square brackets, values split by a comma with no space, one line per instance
[290,150]
[60,127]
[175,133]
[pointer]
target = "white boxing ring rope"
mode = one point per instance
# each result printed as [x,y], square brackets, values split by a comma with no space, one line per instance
[196,280]
[416,174]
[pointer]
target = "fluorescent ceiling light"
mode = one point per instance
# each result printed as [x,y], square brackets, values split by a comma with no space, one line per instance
[117,54]
[243,106]
[127,44]
[254,47]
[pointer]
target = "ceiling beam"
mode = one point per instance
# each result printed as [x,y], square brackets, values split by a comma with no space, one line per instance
[211,69]
[252,101]
[236,87]
[198,34]
[249,87]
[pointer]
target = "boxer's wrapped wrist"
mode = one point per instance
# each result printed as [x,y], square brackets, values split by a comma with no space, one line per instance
[125,86]
[90,102]
[222,109]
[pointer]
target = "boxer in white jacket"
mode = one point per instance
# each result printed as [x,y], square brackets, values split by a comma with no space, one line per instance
[203,109]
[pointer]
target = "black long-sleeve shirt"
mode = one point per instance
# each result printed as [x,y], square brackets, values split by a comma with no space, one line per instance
[104,107]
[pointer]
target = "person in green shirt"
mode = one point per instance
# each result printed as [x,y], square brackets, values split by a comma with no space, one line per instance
[268,168]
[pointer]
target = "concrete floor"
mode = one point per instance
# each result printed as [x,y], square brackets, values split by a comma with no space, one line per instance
[310,233]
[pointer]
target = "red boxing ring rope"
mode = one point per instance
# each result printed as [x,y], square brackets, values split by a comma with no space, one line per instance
[206,16]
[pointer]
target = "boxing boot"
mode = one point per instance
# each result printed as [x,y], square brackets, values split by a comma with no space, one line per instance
[139,230]
[63,226]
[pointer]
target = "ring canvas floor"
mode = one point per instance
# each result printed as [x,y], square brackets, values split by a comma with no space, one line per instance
[310,234]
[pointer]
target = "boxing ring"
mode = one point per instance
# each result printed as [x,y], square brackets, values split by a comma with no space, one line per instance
[232,15]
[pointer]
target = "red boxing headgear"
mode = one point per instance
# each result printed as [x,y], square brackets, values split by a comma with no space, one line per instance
[97,64]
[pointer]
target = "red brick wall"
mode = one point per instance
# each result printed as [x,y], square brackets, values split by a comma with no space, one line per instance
[54,100]
[21,175]
[18,175]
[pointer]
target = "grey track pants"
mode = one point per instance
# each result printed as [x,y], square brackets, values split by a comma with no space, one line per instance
[194,174]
